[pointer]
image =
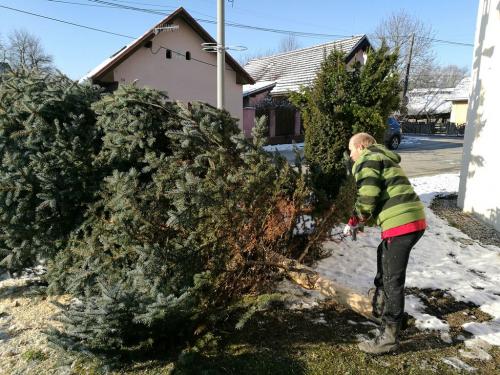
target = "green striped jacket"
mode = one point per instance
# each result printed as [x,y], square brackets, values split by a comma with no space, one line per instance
[384,191]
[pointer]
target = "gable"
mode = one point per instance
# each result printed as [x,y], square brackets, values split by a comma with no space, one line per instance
[102,71]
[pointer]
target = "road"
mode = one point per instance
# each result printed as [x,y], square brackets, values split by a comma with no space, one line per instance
[423,155]
[426,156]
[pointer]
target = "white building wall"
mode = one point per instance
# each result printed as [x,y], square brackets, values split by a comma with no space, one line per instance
[480,175]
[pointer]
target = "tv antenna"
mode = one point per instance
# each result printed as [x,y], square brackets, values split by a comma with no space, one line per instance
[166,28]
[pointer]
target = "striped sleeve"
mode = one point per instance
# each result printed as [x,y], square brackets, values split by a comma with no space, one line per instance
[368,182]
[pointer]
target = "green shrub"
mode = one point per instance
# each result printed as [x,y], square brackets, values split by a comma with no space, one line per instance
[342,101]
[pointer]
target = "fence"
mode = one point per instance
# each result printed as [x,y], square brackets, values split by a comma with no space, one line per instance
[446,128]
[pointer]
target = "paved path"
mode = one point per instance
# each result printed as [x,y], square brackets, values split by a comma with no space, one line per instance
[426,156]
[423,155]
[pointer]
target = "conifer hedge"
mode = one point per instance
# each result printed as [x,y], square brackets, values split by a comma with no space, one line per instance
[344,100]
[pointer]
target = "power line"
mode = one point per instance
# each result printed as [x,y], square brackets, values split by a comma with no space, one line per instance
[82,4]
[273,30]
[66,22]
[139,3]
[100,30]
[230,24]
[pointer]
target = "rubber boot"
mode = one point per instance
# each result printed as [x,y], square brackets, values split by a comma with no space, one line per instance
[386,341]
[377,297]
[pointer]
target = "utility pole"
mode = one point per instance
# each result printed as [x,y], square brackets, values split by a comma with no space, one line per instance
[221,54]
[407,75]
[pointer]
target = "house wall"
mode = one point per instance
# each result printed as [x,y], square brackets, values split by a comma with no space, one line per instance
[248,121]
[459,112]
[479,177]
[359,56]
[256,99]
[183,80]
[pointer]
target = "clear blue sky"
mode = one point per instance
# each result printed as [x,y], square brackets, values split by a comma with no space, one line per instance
[76,50]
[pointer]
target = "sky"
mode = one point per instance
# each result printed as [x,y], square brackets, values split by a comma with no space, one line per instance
[77,50]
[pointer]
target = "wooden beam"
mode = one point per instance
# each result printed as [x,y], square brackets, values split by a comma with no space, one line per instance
[310,279]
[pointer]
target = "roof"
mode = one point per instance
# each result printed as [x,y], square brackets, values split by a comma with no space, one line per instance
[116,59]
[257,87]
[462,91]
[432,101]
[293,69]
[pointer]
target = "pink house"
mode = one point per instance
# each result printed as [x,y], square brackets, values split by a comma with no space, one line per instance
[278,75]
[169,57]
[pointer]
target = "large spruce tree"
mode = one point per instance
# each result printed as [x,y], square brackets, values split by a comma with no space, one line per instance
[48,141]
[182,225]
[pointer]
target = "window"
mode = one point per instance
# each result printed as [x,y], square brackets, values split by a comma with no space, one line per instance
[168,54]
[188,55]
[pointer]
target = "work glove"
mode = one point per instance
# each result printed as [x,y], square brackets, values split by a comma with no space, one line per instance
[352,228]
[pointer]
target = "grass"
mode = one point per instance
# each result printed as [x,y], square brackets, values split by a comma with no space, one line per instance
[289,342]
[322,340]
[34,355]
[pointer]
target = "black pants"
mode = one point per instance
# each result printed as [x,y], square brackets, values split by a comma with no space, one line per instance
[392,259]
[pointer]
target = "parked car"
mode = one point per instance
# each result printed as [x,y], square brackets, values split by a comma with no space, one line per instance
[393,134]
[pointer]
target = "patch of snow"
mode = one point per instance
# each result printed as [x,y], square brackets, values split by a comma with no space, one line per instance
[304,225]
[477,343]
[423,321]
[298,298]
[249,89]
[477,349]
[284,147]
[361,337]
[410,140]
[488,331]
[320,320]
[445,337]
[458,364]
[475,354]
[368,323]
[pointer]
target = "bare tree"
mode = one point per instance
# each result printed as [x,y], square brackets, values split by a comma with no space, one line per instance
[243,59]
[25,50]
[396,30]
[288,43]
[3,51]
[435,76]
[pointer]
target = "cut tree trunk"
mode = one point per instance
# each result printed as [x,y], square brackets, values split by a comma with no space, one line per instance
[310,279]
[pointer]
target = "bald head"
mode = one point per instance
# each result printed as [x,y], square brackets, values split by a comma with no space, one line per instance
[362,139]
[358,143]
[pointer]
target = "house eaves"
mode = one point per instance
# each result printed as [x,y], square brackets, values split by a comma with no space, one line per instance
[257,88]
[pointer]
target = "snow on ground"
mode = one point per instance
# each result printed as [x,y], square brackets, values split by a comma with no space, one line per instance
[445,258]
[407,140]
[284,147]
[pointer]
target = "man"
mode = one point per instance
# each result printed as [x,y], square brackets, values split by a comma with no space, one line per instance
[386,196]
